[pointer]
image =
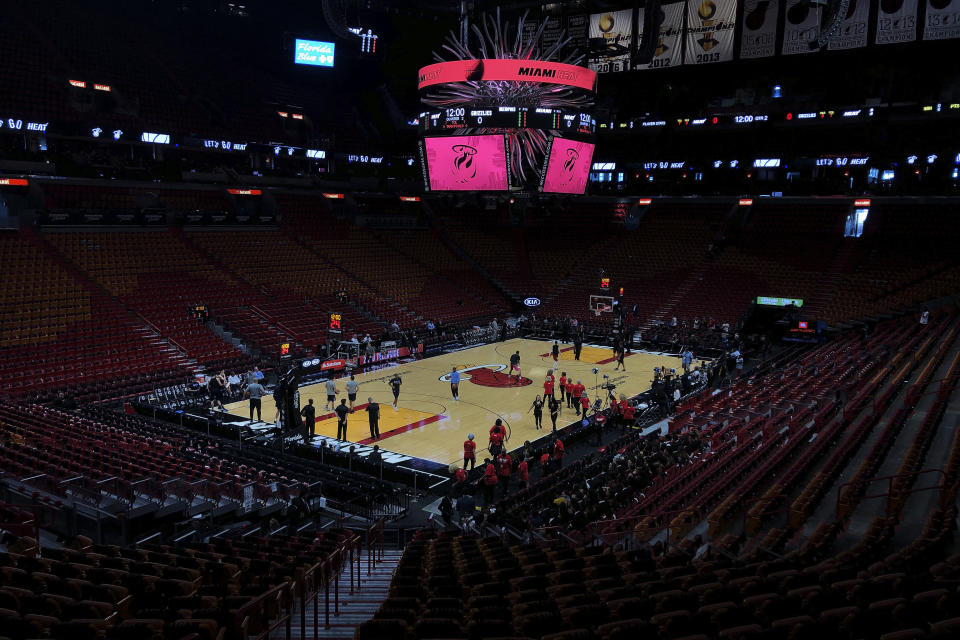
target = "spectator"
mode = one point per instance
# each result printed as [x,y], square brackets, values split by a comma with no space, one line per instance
[466,506]
[309,413]
[523,474]
[504,469]
[489,481]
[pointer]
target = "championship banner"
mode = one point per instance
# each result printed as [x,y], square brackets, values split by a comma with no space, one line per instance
[667,53]
[943,20]
[551,34]
[896,21]
[710,28]
[853,32]
[610,36]
[577,33]
[801,26]
[758,33]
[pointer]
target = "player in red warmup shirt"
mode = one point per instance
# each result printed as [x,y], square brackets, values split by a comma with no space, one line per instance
[469,452]
[548,385]
[459,481]
[577,393]
[497,436]
[563,387]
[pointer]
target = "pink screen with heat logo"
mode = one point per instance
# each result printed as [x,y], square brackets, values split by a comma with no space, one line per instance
[467,163]
[568,167]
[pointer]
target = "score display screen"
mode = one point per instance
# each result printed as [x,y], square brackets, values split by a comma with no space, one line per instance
[466,163]
[314,53]
[508,117]
[567,166]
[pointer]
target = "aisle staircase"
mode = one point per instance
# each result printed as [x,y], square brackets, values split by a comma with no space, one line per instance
[354,609]
[679,294]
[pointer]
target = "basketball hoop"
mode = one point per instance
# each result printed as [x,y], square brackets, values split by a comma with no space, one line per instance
[596,312]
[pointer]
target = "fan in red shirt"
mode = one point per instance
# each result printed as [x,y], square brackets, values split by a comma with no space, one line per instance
[545,463]
[460,479]
[629,414]
[489,482]
[469,452]
[523,474]
[548,385]
[558,452]
[504,468]
[585,403]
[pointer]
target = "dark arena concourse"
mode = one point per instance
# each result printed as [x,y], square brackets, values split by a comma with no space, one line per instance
[477,319]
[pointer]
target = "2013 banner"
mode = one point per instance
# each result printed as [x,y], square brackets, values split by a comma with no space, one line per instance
[896,21]
[758,31]
[801,26]
[668,51]
[610,37]
[942,20]
[853,30]
[710,30]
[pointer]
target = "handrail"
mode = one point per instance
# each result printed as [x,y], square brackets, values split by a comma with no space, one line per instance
[322,574]
[282,595]
[891,478]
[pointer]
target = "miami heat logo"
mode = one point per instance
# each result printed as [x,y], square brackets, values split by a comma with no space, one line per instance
[464,168]
[757,16]
[570,164]
[798,13]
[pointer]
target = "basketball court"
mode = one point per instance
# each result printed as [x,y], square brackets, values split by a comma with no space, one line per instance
[430,425]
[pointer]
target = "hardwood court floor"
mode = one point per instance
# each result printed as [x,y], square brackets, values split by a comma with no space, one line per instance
[430,425]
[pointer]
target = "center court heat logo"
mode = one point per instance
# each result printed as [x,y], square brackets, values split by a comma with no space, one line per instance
[488,375]
[464,166]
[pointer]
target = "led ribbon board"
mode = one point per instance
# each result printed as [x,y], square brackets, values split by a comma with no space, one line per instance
[488,70]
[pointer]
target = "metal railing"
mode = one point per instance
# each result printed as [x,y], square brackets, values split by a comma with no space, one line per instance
[262,616]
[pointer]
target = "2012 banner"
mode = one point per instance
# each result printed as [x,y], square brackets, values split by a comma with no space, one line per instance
[610,37]
[710,30]
[854,27]
[758,31]
[896,21]
[668,50]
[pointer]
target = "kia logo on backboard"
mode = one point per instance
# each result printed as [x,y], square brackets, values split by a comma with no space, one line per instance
[532,302]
